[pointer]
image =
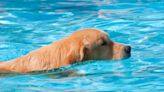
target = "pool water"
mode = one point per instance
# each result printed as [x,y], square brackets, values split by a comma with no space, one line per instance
[26,25]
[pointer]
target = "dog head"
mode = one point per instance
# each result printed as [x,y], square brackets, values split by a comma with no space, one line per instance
[96,45]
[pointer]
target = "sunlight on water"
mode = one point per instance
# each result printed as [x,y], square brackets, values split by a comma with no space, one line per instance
[26,25]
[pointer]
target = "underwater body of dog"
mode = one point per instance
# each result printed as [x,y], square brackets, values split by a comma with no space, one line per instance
[83,45]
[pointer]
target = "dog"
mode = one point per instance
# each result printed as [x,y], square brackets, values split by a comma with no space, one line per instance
[80,46]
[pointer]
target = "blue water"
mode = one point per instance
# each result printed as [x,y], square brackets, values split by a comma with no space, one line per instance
[26,25]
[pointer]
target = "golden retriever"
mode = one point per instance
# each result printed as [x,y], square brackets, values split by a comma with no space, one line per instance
[83,45]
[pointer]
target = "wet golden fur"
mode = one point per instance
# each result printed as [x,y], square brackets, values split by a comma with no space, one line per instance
[86,44]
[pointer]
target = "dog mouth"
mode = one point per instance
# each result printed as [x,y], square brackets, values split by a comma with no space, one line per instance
[127,52]
[127,56]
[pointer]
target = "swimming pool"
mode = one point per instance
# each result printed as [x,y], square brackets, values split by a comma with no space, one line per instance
[26,25]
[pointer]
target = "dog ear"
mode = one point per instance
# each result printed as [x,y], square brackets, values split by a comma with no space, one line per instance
[77,54]
[83,48]
[82,53]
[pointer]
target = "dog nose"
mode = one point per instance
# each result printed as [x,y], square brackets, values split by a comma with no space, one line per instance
[127,49]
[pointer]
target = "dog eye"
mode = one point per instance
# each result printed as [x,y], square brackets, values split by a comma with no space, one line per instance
[103,43]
